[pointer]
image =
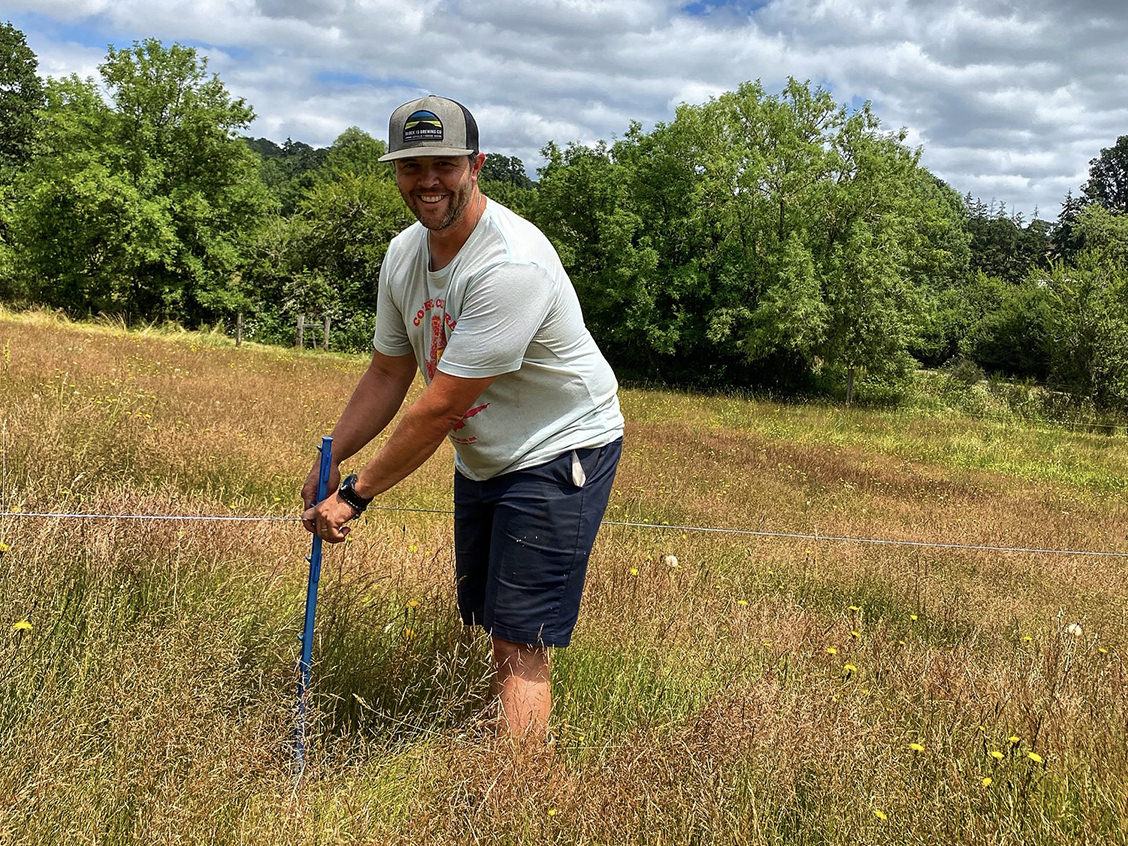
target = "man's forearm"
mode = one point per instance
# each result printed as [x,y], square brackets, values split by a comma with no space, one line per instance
[423,427]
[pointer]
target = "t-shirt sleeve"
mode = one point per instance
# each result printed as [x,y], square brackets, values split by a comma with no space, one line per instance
[503,310]
[390,337]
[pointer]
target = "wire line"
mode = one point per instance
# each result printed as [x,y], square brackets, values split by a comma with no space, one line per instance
[57,515]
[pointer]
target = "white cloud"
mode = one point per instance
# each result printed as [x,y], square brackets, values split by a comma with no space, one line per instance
[1008,100]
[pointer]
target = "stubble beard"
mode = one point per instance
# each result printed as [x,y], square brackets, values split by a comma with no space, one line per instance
[458,202]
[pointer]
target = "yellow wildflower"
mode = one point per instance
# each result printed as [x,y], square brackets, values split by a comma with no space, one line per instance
[916,747]
[634,571]
[3,547]
[996,754]
[880,814]
[855,634]
[413,603]
[830,650]
[1014,739]
[850,668]
[914,617]
[22,626]
[986,781]
[1035,757]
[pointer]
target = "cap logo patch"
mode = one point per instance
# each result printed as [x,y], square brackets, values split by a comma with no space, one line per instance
[423,125]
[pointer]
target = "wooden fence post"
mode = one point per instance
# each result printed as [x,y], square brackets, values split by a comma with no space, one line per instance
[301,331]
[325,335]
[239,329]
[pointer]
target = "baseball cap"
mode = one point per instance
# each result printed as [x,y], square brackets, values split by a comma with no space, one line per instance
[431,126]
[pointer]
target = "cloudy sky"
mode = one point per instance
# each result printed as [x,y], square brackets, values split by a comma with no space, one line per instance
[1009,101]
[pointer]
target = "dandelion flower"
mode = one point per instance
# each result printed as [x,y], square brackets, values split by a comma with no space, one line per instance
[916,747]
[996,754]
[3,547]
[1014,739]
[850,668]
[880,814]
[413,603]
[1027,638]
[914,617]
[830,650]
[634,571]
[854,608]
[1035,757]
[742,602]
[1102,650]
[1074,629]
[986,781]
[413,548]
[552,812]
[855,634]
[22,626]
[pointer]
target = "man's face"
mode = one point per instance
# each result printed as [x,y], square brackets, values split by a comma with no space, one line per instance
[437,188]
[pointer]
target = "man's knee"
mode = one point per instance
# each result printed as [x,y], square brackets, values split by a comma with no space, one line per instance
[522,659]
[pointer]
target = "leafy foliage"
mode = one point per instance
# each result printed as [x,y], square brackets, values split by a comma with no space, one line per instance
[757,240]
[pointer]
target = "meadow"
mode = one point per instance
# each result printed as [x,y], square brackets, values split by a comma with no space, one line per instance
[760,690]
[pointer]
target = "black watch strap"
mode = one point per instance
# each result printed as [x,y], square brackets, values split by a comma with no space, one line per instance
[348,495]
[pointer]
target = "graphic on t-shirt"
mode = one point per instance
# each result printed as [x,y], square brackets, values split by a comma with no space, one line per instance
[440,323]
[462,424]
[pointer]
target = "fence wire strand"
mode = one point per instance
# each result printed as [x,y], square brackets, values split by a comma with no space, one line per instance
[815,538]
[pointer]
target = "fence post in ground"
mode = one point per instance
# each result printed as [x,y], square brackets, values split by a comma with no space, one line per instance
[300,340]
[325,335]
[304,663]
[239,329]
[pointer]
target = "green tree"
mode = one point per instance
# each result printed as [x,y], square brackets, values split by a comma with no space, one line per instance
[157,194]
[21,95]
[1108,177]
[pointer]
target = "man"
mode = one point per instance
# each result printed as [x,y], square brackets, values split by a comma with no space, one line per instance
[476,299]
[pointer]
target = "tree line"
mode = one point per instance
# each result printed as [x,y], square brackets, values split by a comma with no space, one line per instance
[760,240]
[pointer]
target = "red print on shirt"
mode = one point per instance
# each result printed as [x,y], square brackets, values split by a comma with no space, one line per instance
[440,324]
[462,423]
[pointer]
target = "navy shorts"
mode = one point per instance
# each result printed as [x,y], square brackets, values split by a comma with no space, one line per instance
[522,542]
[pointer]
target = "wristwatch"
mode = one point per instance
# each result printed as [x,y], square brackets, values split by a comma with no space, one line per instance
[347,494]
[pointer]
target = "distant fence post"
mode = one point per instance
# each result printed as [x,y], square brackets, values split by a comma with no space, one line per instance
[325,334]
[300,340]
[239,329]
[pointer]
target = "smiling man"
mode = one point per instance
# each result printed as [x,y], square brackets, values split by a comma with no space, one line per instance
[474,297]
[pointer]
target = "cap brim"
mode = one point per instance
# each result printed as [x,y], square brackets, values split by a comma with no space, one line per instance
[426,152]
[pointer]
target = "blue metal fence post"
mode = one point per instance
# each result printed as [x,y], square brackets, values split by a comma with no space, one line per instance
[314,560]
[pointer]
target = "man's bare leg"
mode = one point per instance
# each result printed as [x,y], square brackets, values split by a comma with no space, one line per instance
[524,689]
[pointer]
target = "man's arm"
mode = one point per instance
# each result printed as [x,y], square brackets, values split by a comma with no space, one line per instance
[417,435]
[374,402]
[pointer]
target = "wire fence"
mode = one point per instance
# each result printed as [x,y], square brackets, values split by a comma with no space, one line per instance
[814,538]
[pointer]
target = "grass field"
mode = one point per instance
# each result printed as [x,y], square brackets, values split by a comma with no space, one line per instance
[764,690]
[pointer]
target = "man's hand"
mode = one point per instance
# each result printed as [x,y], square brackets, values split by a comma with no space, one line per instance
[327,519]
[309,492]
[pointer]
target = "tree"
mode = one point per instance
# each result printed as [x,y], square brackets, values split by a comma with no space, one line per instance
[21,94]
[1108,177]
[157,195]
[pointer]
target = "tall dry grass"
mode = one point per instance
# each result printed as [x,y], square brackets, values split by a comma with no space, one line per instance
[764,690]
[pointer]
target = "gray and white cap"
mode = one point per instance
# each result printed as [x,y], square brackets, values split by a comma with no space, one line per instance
[431,126]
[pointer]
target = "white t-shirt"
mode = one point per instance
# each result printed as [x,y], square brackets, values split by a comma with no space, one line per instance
[503,307]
